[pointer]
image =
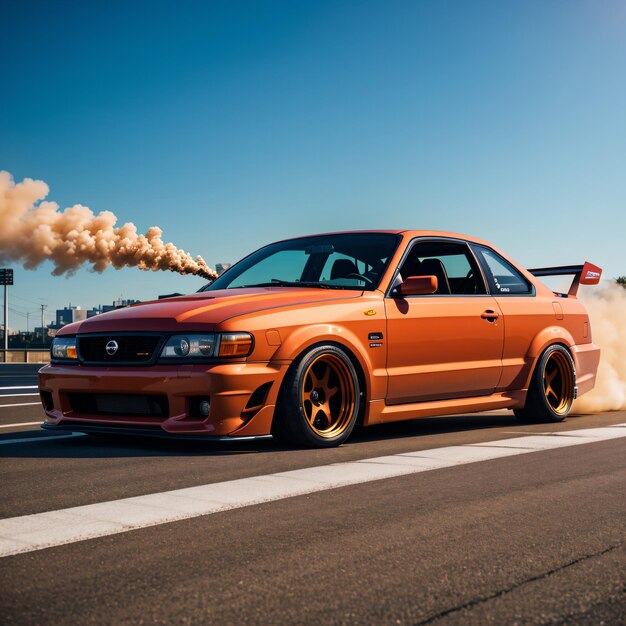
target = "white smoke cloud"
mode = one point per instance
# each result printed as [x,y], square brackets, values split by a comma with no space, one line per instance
[607,314]
[34,230]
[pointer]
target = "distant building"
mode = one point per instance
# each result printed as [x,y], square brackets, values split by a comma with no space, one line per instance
[42,335]
[220,268]
[119,303]
[70,314]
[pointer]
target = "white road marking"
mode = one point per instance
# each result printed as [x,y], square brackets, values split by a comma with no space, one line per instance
[16,395]
[536,442]
[33,439]
[594,432]
[20,387]
[20,424]
[2,406]
[458,455]
[44,530]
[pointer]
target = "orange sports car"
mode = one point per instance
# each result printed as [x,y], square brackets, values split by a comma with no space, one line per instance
[307,337]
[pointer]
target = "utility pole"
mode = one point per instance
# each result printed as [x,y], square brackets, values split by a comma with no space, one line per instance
[27,324]
[6,279]
[6,321]
[43,334]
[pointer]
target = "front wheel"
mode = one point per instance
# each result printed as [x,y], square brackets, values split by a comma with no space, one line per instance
[320,399]
[551,391]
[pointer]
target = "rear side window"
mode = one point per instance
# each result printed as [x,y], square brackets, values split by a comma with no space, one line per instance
[503,278]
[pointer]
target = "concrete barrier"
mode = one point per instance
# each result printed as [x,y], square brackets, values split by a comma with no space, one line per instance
[25,356]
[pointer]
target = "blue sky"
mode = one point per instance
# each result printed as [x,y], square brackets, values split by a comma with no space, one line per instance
[232,124]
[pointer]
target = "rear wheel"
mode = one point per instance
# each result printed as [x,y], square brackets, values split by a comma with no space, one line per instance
[551,391]
[320,399]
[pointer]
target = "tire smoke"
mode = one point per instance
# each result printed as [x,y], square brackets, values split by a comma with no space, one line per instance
[607,313]
[34,230]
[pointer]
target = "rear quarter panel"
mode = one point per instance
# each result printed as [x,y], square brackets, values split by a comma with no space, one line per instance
[585,353]
[532,324]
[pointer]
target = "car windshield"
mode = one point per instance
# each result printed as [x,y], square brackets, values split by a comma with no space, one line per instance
[343,261]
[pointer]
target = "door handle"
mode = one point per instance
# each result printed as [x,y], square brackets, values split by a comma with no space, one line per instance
[489,315]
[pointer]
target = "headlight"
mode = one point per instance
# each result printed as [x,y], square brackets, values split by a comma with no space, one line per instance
[64,348]
[206,346]
[189,347]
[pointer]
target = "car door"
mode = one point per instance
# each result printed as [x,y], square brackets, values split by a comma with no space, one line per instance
[447,344]
[526,314]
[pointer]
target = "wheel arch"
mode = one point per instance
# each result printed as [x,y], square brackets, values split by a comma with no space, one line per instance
[554,335]
[538,407]
[300,429]
[356,362]
[303,339]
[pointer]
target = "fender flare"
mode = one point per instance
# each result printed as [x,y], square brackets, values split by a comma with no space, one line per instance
[302,339]
[543,339]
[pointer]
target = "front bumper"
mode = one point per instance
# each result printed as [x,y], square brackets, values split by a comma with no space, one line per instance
[146,432]
[228,386]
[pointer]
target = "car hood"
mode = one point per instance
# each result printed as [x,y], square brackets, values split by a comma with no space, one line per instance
[202,311]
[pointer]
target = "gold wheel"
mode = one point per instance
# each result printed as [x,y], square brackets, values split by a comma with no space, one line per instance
[558,383]
[328,396]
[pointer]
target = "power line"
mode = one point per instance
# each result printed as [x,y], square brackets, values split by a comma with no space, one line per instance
[22,311]
[26,300]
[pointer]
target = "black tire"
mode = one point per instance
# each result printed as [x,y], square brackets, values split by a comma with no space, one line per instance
[320,399]
[552,387]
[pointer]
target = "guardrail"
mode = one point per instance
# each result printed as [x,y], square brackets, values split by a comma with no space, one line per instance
[24,355]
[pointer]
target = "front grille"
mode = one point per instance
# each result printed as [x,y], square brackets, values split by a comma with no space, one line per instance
[130,348]
[119,404]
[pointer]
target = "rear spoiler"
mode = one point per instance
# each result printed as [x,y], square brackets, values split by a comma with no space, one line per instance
[587,274]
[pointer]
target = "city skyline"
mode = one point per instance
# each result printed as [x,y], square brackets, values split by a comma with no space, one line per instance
[56,318]
[20,316]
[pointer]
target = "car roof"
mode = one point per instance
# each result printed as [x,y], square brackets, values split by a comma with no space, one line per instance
[407,233]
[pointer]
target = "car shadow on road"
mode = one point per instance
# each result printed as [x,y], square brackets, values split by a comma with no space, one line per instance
[48,445]
[435,426]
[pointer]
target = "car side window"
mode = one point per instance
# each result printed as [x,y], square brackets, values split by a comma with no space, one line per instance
[452,263]
[504,279]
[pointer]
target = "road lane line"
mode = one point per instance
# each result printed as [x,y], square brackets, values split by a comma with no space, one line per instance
[43,530]
[16,395]
[4,406]
[34,439]
[20,424]
[593,432]
[459,455]
[20,387]
[556,440]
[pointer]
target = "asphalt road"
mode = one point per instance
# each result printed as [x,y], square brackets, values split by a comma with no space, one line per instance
[18,377]
[531,539]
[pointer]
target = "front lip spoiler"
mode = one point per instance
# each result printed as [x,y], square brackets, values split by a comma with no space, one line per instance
[147,432]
